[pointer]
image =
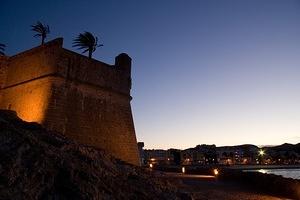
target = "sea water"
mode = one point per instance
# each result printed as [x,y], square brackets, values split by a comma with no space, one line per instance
[287,173]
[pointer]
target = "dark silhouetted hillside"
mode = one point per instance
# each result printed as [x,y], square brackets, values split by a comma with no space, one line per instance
[38,164]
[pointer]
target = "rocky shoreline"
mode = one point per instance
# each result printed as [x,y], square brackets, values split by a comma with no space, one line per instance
[269,183]
[264,184]
[40,164]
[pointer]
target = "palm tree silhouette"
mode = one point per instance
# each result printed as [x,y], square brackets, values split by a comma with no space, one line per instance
[86,41]
[42,30]
[2,49]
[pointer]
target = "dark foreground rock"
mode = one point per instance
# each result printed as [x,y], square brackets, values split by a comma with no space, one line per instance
[269,183]
[39,164]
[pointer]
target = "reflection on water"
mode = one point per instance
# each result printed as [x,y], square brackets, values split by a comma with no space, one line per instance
[262,171]
[287,173]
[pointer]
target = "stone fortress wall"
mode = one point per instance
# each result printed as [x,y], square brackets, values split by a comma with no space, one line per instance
[84,99]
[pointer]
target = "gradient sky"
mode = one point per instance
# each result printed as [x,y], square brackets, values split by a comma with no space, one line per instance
[204,71]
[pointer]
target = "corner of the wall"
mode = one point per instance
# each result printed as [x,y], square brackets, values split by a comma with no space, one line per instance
[3,67]
[58,42]
[123,61]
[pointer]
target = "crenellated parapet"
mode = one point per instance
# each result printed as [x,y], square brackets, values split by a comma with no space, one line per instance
[52,59]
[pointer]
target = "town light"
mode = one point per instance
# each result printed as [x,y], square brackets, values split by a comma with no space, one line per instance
[216,172]
[261,152]
[183,169]
[151,165]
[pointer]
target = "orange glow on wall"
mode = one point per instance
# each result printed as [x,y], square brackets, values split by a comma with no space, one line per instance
[30,100]
[35,106]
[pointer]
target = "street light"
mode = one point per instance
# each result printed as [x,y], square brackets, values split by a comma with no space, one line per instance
[261,152]
[216,172]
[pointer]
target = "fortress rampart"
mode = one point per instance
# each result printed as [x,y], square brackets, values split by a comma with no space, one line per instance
[82,98]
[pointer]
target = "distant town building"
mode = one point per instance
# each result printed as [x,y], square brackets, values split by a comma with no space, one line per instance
[226,155]
[141,152]
[241,154]
[200,155]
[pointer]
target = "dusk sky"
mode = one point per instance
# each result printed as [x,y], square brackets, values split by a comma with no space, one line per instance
[204,72]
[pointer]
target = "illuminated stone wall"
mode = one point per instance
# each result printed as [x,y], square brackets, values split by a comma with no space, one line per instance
[26,85]
[3,68]
[29,100]
[84,99]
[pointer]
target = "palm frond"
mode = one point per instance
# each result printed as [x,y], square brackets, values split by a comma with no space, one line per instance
[85,51]
[2,49]
[86,41]
[2,45]
[42,30]
[37,35]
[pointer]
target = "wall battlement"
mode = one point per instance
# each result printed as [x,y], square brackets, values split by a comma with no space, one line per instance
[83,98]
[53,60]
